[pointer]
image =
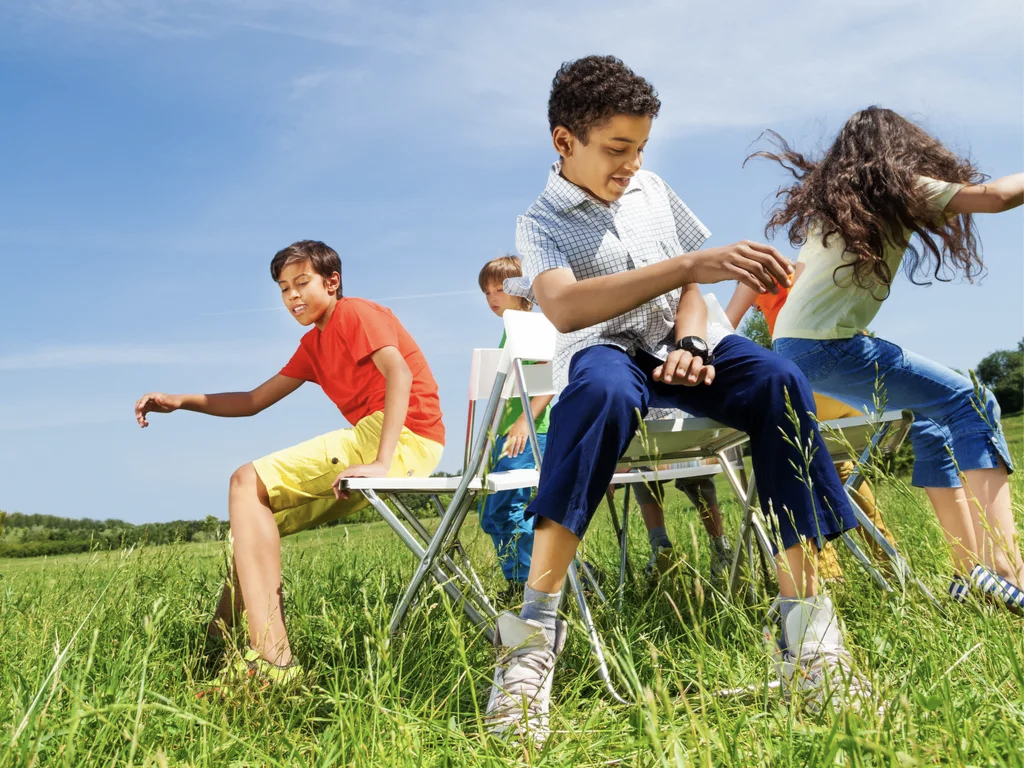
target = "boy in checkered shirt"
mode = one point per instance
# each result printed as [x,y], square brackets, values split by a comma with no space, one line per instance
[610,253]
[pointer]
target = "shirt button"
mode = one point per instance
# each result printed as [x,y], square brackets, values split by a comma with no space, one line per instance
[334,460]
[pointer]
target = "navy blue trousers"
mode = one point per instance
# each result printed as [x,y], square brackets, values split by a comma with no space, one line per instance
[597,415]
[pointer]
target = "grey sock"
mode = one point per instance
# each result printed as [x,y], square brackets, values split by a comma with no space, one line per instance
[786,605]
[659,539]
[541,607]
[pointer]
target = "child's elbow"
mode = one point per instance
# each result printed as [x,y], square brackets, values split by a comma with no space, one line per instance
[1010,200]
[564,321]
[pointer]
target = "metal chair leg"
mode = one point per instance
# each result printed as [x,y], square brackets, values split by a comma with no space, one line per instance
[900,566]
[623,545]
[595,640]
[866,563]
[445,580]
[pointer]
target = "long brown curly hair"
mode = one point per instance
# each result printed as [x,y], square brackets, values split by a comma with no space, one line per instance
[865,190]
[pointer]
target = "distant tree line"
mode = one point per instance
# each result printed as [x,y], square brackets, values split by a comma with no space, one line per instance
[35,535]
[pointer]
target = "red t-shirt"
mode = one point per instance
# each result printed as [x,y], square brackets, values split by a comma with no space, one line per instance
[338,359]
[770,305]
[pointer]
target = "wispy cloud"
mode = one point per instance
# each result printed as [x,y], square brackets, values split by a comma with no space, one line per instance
[738,64]
[90,355]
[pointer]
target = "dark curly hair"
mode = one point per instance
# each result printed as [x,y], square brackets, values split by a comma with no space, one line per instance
[865,190]
[589,91]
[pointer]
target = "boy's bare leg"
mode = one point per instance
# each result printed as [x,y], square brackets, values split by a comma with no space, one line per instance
[653,514]
[797,570]
[229,608]
[554,548]
[954,515]
[988,495]
[258,564]
[711,517]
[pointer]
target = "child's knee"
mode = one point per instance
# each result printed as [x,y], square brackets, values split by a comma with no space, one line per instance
[993,412]
[245,480]
[613,395]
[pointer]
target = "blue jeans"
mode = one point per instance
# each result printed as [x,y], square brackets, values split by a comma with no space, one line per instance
[955,428]
[503,514]
[597,415]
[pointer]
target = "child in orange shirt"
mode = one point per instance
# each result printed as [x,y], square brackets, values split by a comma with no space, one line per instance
[373,371]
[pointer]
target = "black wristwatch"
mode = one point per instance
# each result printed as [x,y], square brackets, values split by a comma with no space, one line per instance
[697,347]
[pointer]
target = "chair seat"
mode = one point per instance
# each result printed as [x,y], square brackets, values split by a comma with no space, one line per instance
[408,484]
[689,437]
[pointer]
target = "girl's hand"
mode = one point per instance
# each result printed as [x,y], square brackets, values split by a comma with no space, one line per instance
[155,402]
[683,368]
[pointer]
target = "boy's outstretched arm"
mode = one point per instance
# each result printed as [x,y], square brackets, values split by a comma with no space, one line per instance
[398,385]
[571,305]
[229,404]
[992,197]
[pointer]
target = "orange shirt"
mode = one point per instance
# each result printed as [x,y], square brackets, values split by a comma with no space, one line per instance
[338,359]
[770,305]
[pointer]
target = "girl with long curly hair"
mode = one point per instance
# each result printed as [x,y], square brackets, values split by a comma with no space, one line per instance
[888,195]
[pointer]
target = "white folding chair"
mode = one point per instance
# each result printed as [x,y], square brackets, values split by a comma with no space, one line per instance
[529,336]
[648,477]
[441,554]
[862,440]
[688,437]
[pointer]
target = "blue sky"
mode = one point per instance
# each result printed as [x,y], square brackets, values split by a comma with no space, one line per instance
[154,156]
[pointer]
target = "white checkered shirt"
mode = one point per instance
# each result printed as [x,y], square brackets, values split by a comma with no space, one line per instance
[566,228]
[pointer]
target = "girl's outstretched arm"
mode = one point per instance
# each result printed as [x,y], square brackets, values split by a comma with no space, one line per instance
[992,197]
[743,299]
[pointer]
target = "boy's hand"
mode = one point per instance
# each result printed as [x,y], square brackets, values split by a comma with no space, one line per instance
[683,368]
[155,402]
[753,264]
[374,469]
[517,439]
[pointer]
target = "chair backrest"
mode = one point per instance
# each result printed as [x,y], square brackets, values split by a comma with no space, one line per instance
[529,336]
[482,371]
[484,368]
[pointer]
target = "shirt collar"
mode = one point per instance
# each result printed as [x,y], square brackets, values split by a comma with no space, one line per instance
[564,195]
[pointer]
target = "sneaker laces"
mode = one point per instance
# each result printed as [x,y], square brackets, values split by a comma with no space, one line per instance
[523,674]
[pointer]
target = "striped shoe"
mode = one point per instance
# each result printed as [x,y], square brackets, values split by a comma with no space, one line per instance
[990,585]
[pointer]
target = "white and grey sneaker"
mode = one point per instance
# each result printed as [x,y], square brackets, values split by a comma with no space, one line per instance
[811,659]
[521,694]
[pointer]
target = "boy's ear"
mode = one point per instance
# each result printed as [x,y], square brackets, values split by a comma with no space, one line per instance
[333,283]
[563,140]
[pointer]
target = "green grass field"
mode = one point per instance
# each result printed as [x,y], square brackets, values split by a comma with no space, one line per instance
[101,658]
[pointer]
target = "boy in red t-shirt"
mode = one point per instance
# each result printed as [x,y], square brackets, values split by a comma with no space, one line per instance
[371,368]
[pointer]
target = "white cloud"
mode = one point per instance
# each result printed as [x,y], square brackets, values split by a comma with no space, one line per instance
[717,65]
[91,355]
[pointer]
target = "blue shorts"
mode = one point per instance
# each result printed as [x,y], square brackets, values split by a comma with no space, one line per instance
[956,428]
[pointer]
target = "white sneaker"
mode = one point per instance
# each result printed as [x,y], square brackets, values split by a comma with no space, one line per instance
[521,695]
[811,659]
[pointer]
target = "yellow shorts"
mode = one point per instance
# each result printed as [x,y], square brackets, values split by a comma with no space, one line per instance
[299,479]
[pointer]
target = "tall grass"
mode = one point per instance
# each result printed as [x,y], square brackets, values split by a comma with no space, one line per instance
[102,655]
